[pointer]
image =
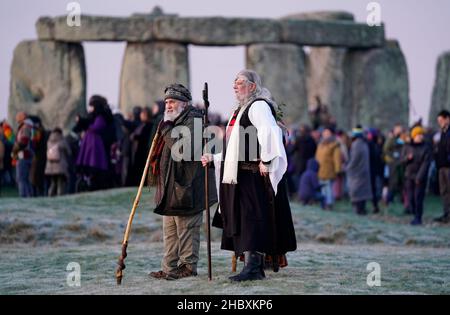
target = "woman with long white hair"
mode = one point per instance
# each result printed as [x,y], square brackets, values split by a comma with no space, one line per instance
[254,208]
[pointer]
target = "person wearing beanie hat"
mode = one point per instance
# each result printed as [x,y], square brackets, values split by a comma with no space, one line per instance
[176,97]
[178,92]
[416,157]
[179,181]
[417,131]
[357,132]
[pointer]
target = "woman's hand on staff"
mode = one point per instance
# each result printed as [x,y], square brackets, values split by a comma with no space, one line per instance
[206,159]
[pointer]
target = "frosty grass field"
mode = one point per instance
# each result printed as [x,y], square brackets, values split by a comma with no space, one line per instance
[40,237]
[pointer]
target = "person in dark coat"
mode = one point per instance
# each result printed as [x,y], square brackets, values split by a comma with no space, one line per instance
[417,157]
[140,145]
[358,172]
[116,152]
[128,127]
[179,179]
[303,150]
[254,206]
[376,167]
[39,144]
[309,188]
[158,115]
[73,140]
[443,164]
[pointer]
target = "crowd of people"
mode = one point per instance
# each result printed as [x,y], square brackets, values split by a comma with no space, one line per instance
[103,150]
[325,164]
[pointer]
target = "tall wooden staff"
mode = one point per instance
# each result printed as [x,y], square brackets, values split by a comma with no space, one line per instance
[208,215]
[123,255]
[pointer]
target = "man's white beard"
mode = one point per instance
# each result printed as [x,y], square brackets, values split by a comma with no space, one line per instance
[243,100]
[174,114]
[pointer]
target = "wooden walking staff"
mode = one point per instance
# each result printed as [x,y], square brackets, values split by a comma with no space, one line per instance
[208,215]
[233,263]
[121,262]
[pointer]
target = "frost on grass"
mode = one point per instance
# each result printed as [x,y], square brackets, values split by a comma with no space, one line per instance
[39,237]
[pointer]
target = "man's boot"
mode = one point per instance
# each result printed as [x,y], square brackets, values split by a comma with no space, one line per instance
[253,269]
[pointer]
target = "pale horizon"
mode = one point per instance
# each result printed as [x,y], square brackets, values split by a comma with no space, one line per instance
[421,29]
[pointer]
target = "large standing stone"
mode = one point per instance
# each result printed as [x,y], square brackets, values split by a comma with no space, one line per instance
[282,70]
[48,79]
[148,68]
[325,80]
[325,68]
[441,91]
[376,87]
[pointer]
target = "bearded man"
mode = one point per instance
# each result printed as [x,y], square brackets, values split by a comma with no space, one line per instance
[179,181]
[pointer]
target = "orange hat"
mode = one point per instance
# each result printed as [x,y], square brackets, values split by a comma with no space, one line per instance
[417,131]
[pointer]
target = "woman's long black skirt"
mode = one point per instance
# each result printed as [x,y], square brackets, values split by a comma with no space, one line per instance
[253,218]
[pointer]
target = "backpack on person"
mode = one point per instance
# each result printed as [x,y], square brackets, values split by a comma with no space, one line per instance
[53,154]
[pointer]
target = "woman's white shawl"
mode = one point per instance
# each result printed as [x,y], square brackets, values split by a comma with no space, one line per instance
[270,140]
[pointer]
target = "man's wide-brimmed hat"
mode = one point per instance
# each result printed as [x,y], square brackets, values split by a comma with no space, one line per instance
[178,92]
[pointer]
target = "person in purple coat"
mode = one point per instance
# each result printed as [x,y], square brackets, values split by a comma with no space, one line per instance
[92,160]
[309,188]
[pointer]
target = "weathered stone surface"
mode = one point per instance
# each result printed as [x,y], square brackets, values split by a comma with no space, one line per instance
[376,87]
[217,30]
[48,79]
[441,91]
[147,69]
[282,70]
[325,69]
[157,11]
[322,15]
[96,28]
[325,80]
[211,31]
[332,33]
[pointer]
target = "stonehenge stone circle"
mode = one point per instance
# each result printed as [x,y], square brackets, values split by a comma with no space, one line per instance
[349,65]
